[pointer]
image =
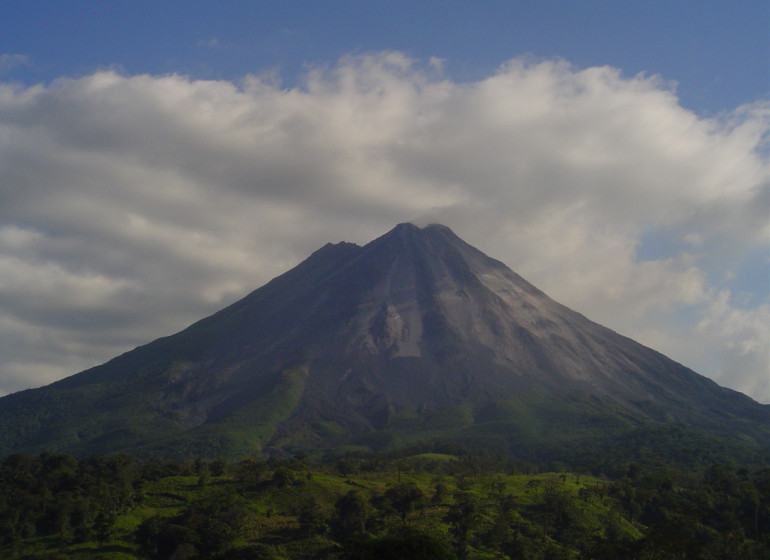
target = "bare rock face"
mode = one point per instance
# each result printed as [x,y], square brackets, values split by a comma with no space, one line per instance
[356,340]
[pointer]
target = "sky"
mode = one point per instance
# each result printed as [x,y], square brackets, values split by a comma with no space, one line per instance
[159,160]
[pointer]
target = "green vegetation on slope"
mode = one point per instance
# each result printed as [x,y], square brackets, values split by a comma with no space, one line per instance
[429,505]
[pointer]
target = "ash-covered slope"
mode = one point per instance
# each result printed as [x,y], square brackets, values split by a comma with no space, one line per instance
[416,333]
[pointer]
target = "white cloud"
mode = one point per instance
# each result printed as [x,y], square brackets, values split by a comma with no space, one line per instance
[133,205]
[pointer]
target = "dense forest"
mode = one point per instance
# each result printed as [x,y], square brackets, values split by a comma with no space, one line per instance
[399,506]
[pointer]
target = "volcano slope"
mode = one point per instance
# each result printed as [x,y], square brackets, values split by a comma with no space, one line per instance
[416,338]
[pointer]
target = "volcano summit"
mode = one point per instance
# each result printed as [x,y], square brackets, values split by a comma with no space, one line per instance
[414,337]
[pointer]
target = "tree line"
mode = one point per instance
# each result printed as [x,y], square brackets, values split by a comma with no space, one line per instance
[428,506]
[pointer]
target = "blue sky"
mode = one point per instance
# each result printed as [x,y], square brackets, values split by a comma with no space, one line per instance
[716,51]
[159,160]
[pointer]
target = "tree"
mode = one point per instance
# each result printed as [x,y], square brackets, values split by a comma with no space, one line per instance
[218,466]
[104,527]
[217,520]
[147,536]
[351,515]
[403,498]
[440,492]
[555,508]
[463,517]
[311,517]
[250,472]
[283,477]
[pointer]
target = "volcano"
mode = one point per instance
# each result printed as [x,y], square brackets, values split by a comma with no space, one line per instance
[415,337]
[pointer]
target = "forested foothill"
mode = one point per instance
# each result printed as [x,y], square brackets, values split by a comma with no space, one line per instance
[408,505]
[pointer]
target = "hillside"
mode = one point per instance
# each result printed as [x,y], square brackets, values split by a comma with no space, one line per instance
[427,506]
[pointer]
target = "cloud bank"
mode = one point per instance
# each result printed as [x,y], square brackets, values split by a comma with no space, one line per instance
[134,205]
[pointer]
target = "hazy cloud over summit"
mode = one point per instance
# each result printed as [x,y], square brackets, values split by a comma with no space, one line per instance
[134,205]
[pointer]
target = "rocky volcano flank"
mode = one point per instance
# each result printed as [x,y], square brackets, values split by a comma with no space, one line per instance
[416,335]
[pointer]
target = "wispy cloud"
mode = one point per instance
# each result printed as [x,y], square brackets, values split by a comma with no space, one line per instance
[133,205]
[10,61]
[211,42]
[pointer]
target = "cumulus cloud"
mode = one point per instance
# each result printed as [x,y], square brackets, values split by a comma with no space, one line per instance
[133,205]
